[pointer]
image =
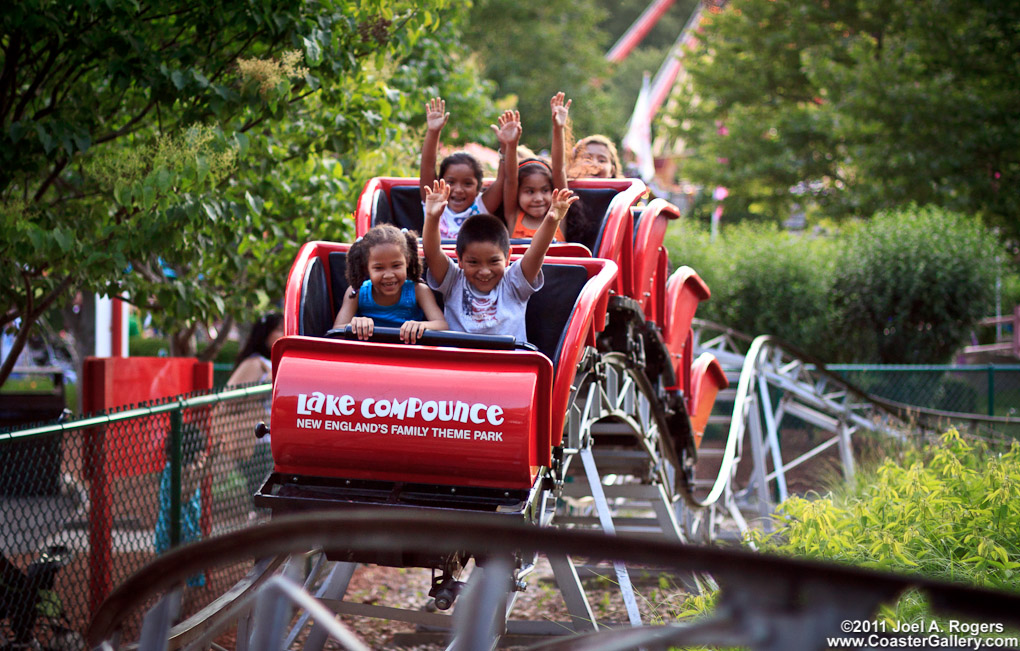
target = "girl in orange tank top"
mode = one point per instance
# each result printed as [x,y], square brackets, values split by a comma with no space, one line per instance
[528,194]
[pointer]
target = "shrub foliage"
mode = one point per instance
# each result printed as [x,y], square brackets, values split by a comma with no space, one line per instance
[903,287]
[911,285]
[763,280]
[948,512]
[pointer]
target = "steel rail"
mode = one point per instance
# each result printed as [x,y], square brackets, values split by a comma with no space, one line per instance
[141,412]
[765,600]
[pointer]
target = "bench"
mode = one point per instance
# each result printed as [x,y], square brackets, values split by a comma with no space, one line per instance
[549,309]
[402,208]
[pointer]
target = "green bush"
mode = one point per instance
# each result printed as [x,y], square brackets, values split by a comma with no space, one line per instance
[763,280]
[910,285]
[950,511]
[903,287]
[159,347]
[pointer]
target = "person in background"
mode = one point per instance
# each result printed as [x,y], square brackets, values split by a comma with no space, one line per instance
[594,157]
[254,365]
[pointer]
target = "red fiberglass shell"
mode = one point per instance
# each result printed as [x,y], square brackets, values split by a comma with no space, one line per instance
[684,291]
[587,320]
[360,410]
[651,261]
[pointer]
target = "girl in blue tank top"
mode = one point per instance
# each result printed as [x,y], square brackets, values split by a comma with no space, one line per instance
[384,274]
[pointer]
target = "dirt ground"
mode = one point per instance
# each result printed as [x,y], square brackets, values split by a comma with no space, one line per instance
[407,588]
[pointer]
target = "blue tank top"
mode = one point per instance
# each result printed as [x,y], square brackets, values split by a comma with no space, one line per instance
[393,316]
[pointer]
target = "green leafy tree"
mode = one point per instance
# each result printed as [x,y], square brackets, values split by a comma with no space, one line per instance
[857,106]
[910,285]
[531,49]
[180,154]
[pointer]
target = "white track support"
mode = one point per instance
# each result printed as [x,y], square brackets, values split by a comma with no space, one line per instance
[809,393]
[581,615]
[482,614]
[334,587]
[772,437]
[760,467]
[606,520]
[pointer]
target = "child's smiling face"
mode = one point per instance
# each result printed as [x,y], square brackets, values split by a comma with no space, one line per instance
[387,269]
[463,186]
[484,264]
[534,195]
[599,157]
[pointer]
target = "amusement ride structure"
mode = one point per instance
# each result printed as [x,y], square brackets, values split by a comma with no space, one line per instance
[476,456]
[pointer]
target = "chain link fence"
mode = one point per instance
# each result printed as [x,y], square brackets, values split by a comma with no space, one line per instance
[84,504]
[991,390]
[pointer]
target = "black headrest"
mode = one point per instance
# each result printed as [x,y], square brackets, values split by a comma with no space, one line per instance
[338,278]
[315,317]
[405,208]
[381,209]
[592,215]
[549,309]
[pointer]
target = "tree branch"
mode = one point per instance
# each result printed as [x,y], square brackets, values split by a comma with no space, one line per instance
[145,271]
[127,127]
[233,59]
[216,344]
[29,94]
[29,316]
[58,167]
[8,79]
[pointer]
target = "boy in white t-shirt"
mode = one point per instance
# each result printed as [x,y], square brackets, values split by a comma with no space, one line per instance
[481,293]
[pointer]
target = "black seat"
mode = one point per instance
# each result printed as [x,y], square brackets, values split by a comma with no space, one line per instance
[585,225]
[403,209]
[550,308]
[584,221]
[314,318]
[546,318]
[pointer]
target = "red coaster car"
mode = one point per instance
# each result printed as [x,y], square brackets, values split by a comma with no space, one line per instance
[487,424]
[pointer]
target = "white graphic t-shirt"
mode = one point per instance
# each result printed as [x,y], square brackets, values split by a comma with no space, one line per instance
[450,222]
[499,312]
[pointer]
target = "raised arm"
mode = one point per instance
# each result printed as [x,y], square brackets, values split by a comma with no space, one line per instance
[435,119]
[514,129]
[531,261]
[560,115]
[435,203]
[508,131]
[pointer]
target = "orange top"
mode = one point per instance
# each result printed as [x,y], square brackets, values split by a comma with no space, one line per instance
[523,232]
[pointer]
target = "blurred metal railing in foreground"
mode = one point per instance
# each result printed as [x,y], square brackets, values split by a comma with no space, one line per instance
[117,489]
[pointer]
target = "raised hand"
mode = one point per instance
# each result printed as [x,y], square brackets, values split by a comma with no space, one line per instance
[560,109]
[509,130]
[561,202]
[436,199]
[435,114]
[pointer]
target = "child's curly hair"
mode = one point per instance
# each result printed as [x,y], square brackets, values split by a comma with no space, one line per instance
[357,255]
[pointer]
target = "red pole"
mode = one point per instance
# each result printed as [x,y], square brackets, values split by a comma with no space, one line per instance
[638,30]
[1016,330]
[116,327]
[97,385]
